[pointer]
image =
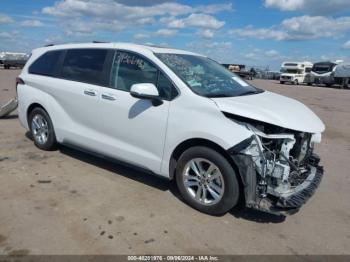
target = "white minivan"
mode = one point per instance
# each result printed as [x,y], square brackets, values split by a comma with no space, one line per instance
[177,114]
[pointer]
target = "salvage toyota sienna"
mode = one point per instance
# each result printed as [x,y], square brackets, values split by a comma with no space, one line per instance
[177,114]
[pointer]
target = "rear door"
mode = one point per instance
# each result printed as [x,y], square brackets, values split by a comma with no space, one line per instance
[76,91]
[134,130]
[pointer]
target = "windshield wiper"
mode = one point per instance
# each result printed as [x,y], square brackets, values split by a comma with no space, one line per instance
[252,92]
[218,95]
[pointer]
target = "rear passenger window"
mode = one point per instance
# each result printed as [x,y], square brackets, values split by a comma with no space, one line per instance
[46,64]
[84,65]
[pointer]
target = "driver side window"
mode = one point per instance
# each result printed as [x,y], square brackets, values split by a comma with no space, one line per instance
[129,68]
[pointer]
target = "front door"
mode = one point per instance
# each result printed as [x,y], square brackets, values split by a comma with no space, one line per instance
[134,130]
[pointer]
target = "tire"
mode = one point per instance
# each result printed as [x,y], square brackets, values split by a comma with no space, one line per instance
[296,82]
[39,123]
[281,82]
[226,180]
[309,84]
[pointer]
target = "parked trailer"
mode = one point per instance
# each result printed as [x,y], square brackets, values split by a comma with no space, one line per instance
[322,73]
[330,73]
[295,72]
[342,74]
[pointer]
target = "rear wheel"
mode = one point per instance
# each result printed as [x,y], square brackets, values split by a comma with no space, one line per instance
[296,82]
[207,181]
[282,82]
[42,130]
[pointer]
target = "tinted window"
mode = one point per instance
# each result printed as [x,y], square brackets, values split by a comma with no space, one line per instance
[129,69]
[84,65]
[46,64]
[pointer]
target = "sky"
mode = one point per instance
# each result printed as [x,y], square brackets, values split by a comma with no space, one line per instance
[256,32]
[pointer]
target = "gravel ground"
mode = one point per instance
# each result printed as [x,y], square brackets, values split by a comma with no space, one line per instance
[68,202]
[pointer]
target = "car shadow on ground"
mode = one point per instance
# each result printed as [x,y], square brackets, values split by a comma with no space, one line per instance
[256,216]
[9,117]
[155,181]
[118,167]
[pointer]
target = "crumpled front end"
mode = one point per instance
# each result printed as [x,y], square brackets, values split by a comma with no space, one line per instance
[278,167]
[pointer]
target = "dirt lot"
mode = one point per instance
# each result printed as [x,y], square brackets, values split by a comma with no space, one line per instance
[68,202]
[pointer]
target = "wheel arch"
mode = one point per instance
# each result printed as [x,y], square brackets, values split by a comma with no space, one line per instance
[183,146]
[31,107]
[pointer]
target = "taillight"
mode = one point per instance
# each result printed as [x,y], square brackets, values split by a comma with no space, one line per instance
[19,81]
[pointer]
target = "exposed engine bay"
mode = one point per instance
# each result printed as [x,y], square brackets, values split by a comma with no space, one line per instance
[284,168]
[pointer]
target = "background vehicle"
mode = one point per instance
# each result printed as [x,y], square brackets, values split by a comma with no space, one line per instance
[342,74]
[240,70]
[14,60]
[177,114]
[295,72]
[330,73]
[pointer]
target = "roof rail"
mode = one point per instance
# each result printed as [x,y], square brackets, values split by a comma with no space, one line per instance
[99,42]
[49,45]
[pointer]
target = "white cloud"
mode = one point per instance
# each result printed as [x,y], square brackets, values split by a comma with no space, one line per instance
[32,23]
[309,6]
[346,45]
[272,53]
[251,56]
[196,20]
[9,36]
[299,28]
[259,33]
[207,47]
[5,35]
[5,19]
[214,8]
[141,36]
[119,14]
[166,32]
[138,9]
[206,33]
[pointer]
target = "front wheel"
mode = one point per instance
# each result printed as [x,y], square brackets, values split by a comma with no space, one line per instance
[207,181]
[42,129]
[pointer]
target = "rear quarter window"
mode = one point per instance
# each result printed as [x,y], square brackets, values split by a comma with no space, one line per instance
[45,64]
[84,65]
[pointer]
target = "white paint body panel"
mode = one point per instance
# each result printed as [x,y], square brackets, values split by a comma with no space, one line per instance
[274,109]
[133,130]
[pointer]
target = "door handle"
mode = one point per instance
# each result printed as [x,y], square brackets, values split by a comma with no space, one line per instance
[90,92]
[108,97]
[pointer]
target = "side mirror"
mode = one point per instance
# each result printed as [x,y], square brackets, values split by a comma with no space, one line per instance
[146,91]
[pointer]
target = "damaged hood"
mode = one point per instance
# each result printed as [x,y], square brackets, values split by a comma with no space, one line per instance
[274,109]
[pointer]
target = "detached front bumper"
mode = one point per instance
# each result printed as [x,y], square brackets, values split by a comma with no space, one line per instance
[286,204]
[307,189]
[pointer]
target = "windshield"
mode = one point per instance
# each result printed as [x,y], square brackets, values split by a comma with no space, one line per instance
[206,77]
[323,68]
[292,71]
